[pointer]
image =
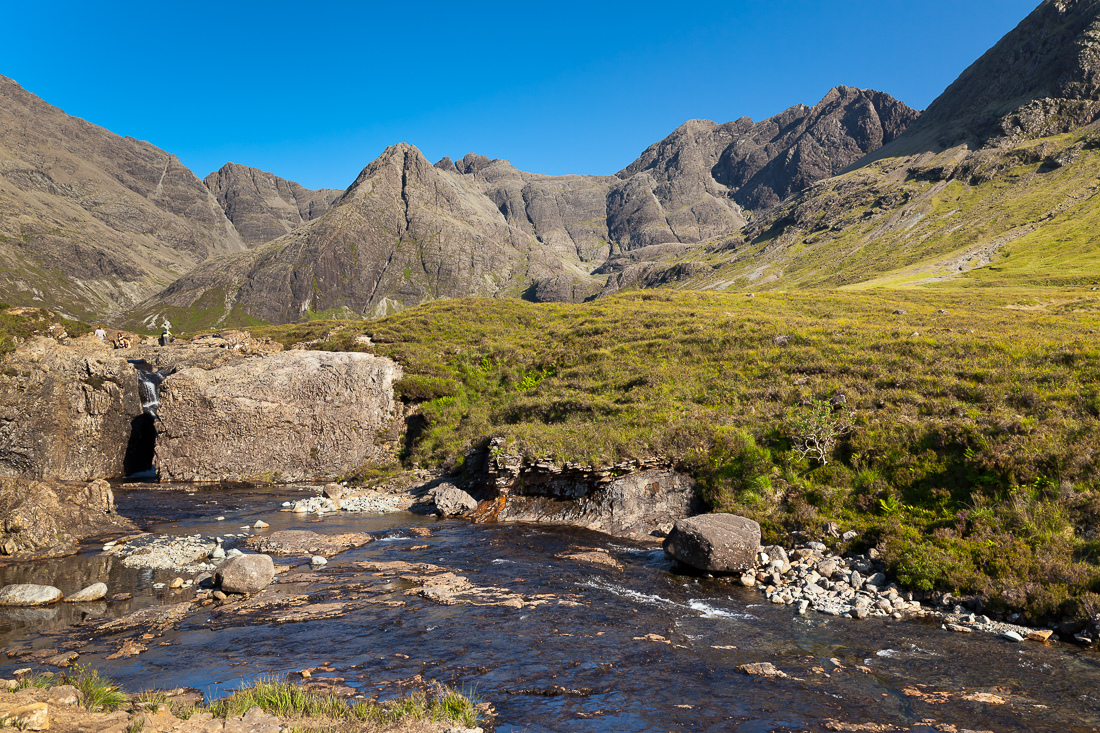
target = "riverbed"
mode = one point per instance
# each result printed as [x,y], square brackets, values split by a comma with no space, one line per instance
[606,637]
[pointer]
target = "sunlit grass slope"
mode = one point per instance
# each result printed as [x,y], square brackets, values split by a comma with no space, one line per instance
[972,463]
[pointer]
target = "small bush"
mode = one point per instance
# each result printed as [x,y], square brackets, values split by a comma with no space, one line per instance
[815,429]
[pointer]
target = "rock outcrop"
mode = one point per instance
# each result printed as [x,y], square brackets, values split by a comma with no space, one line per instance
[263,206]
[720,543]
[44,519]
[91,222]
[453,501]
[643,504]
[296,415]
[1041,79]
[66,412]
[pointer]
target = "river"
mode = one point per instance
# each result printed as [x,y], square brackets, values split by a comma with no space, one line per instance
[624,645]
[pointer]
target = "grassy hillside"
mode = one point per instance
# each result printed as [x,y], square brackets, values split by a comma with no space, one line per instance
[971,461]
[1019,216]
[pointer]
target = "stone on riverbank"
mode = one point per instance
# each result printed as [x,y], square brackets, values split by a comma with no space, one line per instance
[761,669]
[288,416]
[94,592]
[245,574]
[452,501]
[722,543]
[28,594]
[304,543]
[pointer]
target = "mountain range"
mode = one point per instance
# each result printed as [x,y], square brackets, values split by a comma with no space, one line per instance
[856,190]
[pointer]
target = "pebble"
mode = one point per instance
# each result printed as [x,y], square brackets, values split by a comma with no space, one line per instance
[318,560]
[1012,636]
[177,583]
[288,503]
[260,524]
[158,586]
[220,519]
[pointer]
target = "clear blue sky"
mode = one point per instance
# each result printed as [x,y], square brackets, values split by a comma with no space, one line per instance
[313,91]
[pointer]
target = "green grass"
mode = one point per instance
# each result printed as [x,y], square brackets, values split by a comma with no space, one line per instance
[32,322]
[97,694]
[974,426]
[278,697]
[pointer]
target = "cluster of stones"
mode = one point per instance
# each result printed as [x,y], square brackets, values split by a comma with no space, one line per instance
[810,577]
[334,499]
[29,594]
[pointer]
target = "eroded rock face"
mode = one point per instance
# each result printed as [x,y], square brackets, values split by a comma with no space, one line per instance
[296,415]
[40,519]
[66,412]
[637,505]
[245,574]
[721,543]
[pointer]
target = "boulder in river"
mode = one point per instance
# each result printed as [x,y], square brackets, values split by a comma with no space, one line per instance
[245,573]
[297,415]
[721,543]
[28,594]
[452,501]
[94,592]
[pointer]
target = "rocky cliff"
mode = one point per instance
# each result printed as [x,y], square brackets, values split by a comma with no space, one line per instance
[263,206]
[91,222]
[1041,79]
[67,412]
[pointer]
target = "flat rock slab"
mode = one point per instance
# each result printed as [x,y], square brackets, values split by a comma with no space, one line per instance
[29,595]
[720,543]
[304,543]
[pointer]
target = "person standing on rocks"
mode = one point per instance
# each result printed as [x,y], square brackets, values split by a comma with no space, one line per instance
[166,337]
[100,333]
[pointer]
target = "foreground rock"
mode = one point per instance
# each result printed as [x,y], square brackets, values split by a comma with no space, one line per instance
[27,594]
[722,543]
[49,518]
[296,415]
[66,410]
[245,574]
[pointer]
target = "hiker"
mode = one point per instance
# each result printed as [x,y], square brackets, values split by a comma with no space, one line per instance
[166,337]
[100,333]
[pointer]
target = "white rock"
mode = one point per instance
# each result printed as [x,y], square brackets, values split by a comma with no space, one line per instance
[1012,636]
[318,560]
[261,524]
[220,519]
[234,553]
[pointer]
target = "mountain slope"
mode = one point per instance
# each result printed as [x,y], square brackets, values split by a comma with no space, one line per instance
[403,233]
[263,206]
[995,184]
[91,222]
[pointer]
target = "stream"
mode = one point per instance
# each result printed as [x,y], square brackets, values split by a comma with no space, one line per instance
[632,647]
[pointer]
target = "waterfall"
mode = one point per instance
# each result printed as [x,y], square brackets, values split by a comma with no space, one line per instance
[143,432]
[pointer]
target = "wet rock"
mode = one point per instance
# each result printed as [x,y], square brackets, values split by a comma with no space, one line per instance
[35,716]
[165,552]
[748,580]
[318,561]
[94,592]
[27,594]
[453,501]
[333,491]
[716,542]
[260,524]
[1042,635]
[245,574]
[286,416]
[761,669]
[1012,636]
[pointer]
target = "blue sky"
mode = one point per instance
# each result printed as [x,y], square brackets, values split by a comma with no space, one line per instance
[314,91]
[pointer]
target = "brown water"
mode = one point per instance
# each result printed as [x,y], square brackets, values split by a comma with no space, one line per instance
[559,668]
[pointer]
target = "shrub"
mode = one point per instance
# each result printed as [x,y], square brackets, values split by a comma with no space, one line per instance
[814,430]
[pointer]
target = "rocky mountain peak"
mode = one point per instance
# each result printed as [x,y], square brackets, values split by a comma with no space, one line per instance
[1042,78]
[263,206]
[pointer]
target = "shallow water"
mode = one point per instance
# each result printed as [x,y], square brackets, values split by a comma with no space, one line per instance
[569,668]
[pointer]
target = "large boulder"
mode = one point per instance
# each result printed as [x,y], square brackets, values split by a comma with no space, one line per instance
[452,501]
[290,416]
[245,574]
[66,412]
[28,594]
[720,543]
[49,518]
